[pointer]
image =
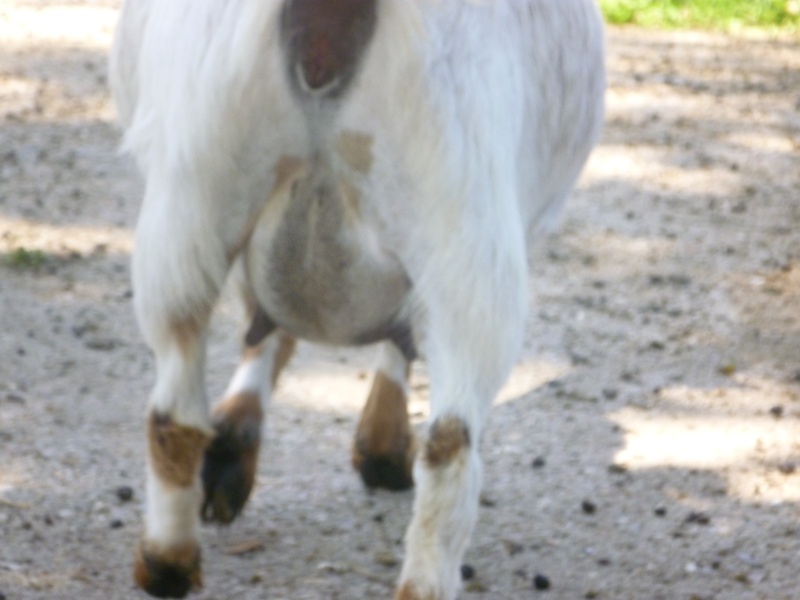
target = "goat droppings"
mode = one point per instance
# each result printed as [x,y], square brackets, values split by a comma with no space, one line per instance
[541,582]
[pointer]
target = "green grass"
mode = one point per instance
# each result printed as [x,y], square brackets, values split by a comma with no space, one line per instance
[783,15]
[22,258]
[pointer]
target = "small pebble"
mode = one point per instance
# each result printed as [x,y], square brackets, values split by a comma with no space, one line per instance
[776,411]
[487,501]
[588,507]
[541,582]
[116,524]
[386,558]
[538,462]
[125,493]
[699,518]
[467,572]
[660,511]
[513,547]
[610,393]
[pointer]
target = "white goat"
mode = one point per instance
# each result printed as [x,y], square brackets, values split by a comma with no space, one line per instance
[371,168]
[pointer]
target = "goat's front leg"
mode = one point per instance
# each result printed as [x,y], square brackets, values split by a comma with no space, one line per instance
[180,262]
[229,469]
[473,334]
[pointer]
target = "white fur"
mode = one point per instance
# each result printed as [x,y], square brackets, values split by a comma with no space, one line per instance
[481,116]
[392,363]
[255,372]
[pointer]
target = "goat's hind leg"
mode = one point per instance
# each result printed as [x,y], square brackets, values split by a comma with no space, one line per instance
[230,463]
[182,257]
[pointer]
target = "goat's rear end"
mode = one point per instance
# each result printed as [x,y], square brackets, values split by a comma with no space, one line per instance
[369,171]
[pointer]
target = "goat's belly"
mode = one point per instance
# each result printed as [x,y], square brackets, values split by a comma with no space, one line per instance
[317,266]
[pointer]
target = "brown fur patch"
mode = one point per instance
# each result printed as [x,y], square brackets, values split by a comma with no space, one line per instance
[384,446]
[161,571]
[408,592]
[355,149]
[286,169]
[176,451]
[241,406]
[285,351]
[448,436]
[383,428]
[186,331]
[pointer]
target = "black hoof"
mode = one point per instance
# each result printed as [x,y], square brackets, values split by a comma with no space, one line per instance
[173,575]
[386,472]
[229,470]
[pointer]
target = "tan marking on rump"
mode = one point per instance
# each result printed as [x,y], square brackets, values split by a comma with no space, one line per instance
[383,428]
[185,557]
[448,437]
[286,346]
[408,592]
[355,149]
[176,451]
[286,169]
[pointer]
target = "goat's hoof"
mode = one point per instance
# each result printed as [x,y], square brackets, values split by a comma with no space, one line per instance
[168,574]
[387,471]
[229,469]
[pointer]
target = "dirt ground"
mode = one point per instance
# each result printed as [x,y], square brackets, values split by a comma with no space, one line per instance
[647,446]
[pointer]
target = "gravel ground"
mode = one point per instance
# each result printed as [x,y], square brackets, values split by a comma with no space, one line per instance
[647,446]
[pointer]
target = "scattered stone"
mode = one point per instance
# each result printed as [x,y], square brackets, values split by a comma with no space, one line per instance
[617,469]
[476,586]
[100,344]
[124,493]
[467,572]
[787,468]
[541,582]
[727,369]
[610,393]
[15,398]
[513,547]
[245,547]
[116,524]
[700,518]
[591,594]
[386,558]
[660,511]
[776,411]
[487,501]
[538,462]
[588,507]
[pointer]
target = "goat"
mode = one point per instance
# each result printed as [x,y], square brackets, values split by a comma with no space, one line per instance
[369,171]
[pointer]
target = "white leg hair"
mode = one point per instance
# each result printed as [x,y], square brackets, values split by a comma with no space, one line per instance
[473,333]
